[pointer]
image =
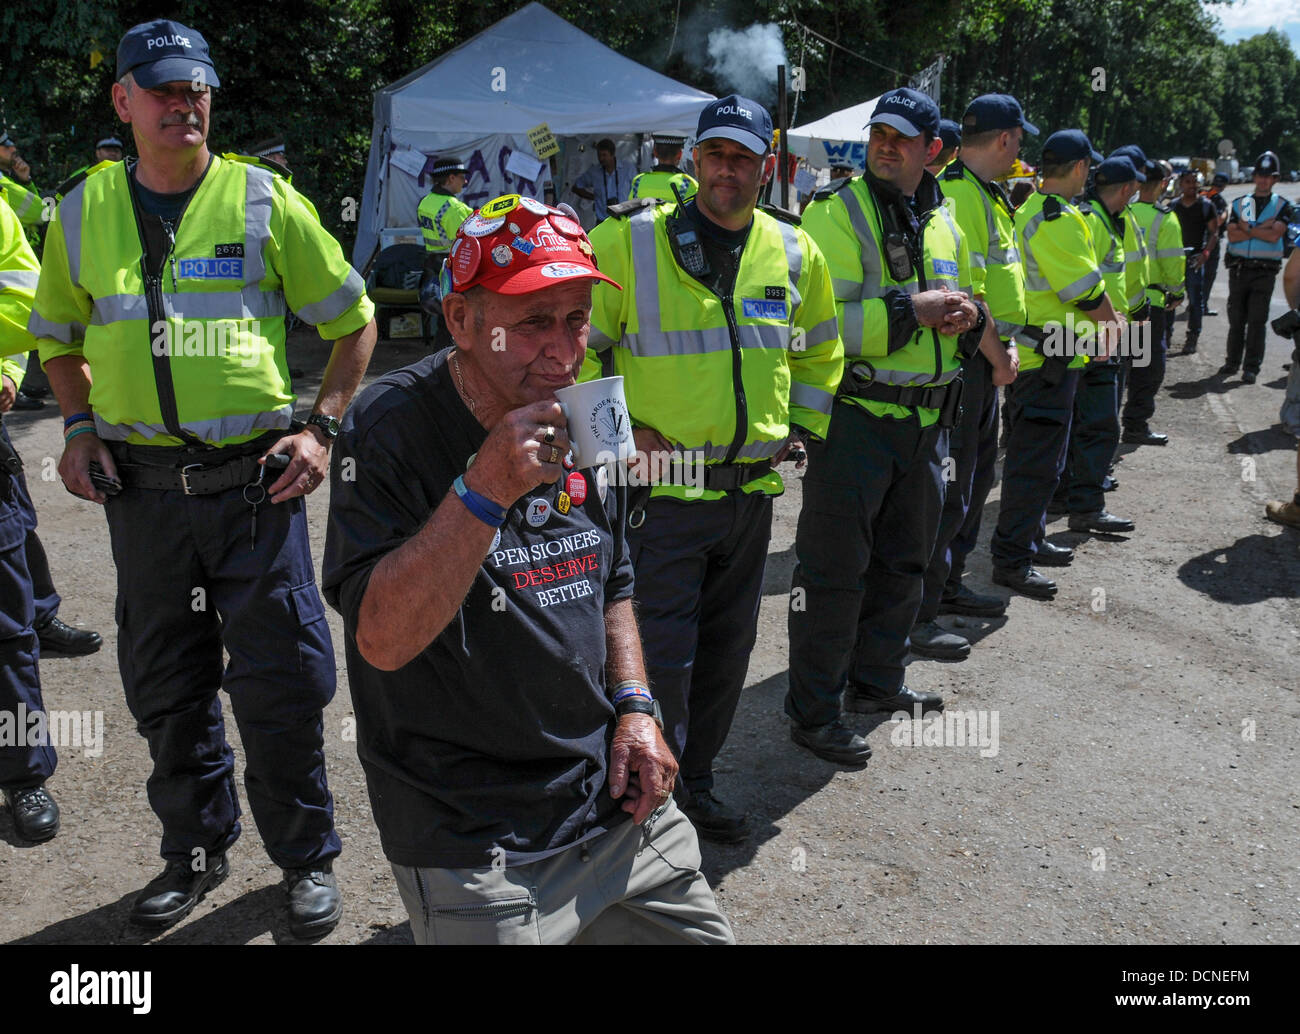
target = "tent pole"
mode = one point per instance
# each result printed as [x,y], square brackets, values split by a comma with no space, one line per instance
[785,143]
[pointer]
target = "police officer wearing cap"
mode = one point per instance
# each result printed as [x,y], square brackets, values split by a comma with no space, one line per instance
[950,134]
[1094,430]
[1257,225]
[726,338]
[160,318]
[272,149]
[660,180]
[441,212]
[16,184]
[1163,241]
[993,128]
[874,490]
[1064,295]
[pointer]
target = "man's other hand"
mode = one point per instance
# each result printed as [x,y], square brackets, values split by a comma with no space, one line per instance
[642,770]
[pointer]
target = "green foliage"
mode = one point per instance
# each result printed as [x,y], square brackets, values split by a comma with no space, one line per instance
[309,70]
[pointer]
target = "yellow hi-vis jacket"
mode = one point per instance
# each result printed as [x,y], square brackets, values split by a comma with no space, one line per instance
[721,378]
[1137,264]
[658,182]
[245,244]
[19,272]
[987,221]
[1167,264]
[440,217]
[25,201]
[1062,279]
[846,224]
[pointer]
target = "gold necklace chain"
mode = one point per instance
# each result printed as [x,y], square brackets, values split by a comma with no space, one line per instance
[460,380]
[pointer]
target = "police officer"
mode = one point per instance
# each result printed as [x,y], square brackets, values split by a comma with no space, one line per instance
[272,149]
[659,181]
[1094,430]
[874,490]
[1162,238]
[725,336]
[1220,203]
[162,332]
[1063,293]
[24,766]
[16,184]
[1257,225]
[441,212]
[993,128]
[950,134]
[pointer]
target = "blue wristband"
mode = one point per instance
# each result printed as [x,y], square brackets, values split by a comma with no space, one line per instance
[76,418]
[484,509]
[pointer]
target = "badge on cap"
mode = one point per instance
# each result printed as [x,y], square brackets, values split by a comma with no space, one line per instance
[576,485]
[519,244]
[539,512]
[501,255]
[500,206]
[536,207]
[566,226]
[563,502]
[477,226]
[585,248]
[465,257]
[514,228]
[561,270]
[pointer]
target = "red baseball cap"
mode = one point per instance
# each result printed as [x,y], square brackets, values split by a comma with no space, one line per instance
[516,245]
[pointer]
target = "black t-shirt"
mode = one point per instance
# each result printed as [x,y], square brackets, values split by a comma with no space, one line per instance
[1194,219]
[497,735]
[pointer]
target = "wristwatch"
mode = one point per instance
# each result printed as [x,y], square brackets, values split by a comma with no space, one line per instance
[640,705]
[328,424]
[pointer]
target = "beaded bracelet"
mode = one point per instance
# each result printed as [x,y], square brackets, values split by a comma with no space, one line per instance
[481,507]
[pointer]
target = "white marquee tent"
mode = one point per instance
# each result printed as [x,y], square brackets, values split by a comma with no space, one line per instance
[479,100]
[837,138]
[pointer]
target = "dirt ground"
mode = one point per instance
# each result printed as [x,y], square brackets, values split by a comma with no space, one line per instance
[1143,789]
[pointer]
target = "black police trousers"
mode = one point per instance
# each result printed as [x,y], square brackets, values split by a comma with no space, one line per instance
[191,583]
[699,582]
[1144,379]
[970,471]
[1094,436]
[1249,293]
[872,499]
[1041,414]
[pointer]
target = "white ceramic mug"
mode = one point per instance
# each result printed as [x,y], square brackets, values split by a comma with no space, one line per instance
[600,429]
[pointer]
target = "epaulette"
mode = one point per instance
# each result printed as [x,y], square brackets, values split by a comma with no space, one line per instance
[784,214]
[954,171]
[61,191]
[1052,208]
[1163,206]
[626,208]
[261,163]
[830,189]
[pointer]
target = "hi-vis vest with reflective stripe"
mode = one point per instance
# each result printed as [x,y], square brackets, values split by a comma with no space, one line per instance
[1166,265]
[440,217]
[672,345]
[846,226]
[1109,248]
[19,272]
[245,235]
[26,203]
[1256,249]
[996,270]
[658,183]
[1060,270]
[1136,262]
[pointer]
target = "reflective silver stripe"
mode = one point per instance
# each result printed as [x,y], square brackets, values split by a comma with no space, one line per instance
[645,263]
[869,250]
[1003,256]
[1164,253]
[250,303]
[15,279]
[913,378]
[1031,227]
[208,430]
[794,257]
[598,340]
[751,451]
[257,222]
[845,288]
[1007,330]
[1034,280]
[1080,287]
[826,330]
[811,398]
[1111,267]
[977,260]
[64,333]
[335,304]
[657,343]
[852,327]
[70,222]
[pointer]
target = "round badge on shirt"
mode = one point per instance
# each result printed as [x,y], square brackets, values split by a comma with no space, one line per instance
[538,513]
[576,485]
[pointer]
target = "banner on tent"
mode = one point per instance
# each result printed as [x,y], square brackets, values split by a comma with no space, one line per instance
[486,158]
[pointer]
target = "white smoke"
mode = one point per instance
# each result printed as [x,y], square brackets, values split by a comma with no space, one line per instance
[745,60]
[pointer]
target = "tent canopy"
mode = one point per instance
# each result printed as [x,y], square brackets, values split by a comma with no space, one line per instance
[839,138]
[479,100]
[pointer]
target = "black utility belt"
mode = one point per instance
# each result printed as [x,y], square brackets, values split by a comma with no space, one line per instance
[727,477]
[928,397]
[1236,262]
[191,471]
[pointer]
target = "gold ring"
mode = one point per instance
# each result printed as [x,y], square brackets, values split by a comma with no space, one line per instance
[549,436]
[555,454]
